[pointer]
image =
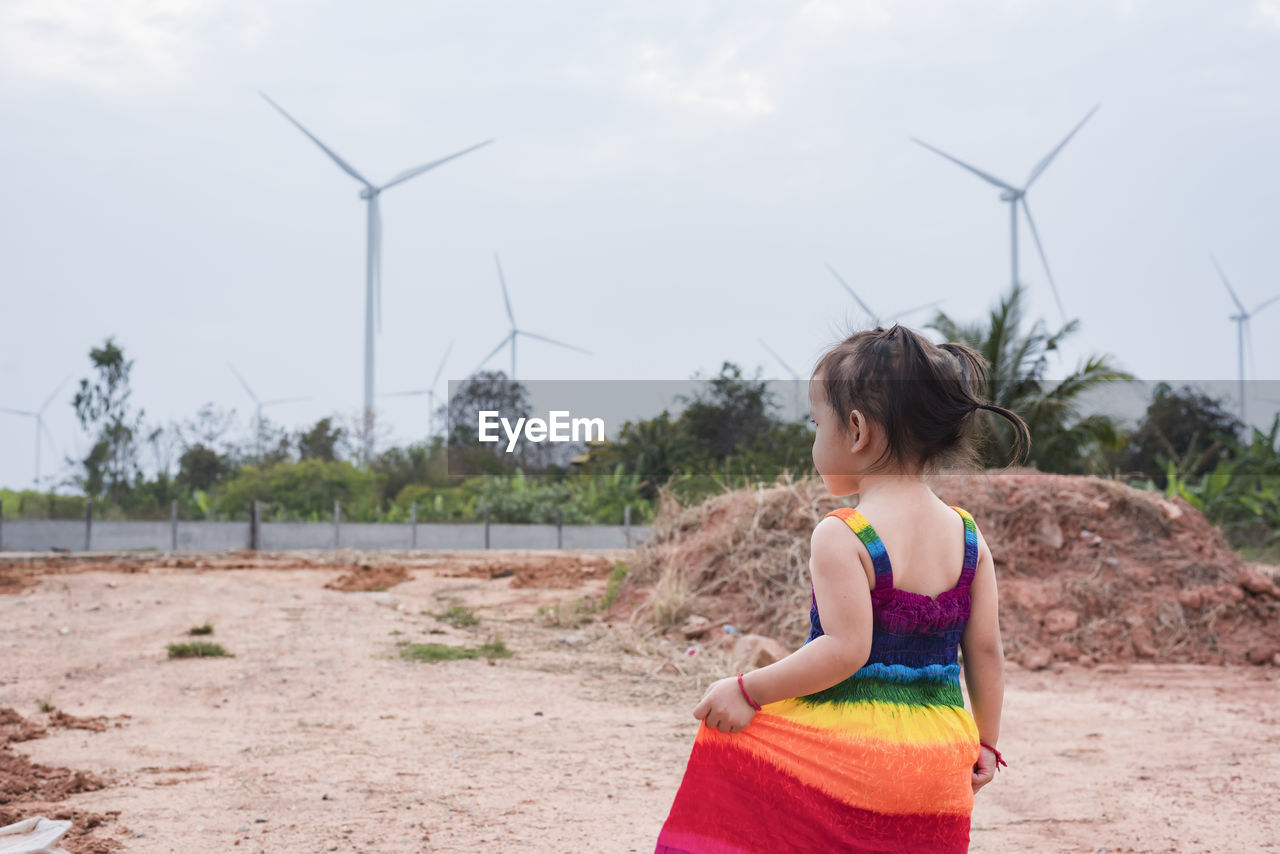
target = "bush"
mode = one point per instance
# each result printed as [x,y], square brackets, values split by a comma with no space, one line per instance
[299,492]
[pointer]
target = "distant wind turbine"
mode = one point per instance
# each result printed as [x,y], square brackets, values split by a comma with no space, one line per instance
[373,254]
[429,391]
[259,404]
[510,337]
[795,392]
[1013,195]
[875,317]
[1242,327]
[41,428]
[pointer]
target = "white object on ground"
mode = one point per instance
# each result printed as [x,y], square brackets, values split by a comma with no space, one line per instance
[34,835]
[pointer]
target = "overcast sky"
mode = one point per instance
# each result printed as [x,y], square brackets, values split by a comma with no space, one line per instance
[667,181]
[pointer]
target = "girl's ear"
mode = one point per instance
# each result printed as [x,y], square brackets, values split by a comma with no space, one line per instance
[857,426]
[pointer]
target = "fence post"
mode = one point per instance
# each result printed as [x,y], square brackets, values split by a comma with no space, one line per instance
[626,523]
[559,528]
[173,522]
[486,527]
[413,524]
[255,526]
[337,511]
[88,523]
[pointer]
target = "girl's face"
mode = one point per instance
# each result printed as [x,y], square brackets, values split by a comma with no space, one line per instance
[836,454]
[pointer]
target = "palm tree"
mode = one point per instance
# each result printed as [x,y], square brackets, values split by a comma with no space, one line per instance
[1062,439]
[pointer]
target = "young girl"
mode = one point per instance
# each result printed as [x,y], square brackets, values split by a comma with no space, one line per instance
[859,740]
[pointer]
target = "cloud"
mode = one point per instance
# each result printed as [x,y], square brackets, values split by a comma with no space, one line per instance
[1266,13]
[717,83]
[116,46]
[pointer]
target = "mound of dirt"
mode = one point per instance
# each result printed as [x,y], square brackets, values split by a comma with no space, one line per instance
[13,581]
[368,576]
[28,788]
[1088,569]
[530,569]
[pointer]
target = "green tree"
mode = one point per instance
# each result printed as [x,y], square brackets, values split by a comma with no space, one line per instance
[486,391]
[321,442]
[102,407]
[1177,423]
[1062,438]
[202,468]
[730,415]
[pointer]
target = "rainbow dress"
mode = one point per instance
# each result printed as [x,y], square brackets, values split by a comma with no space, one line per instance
[878,762]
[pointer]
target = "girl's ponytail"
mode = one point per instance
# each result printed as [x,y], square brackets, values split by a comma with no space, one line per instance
[1021,433]
[973,376]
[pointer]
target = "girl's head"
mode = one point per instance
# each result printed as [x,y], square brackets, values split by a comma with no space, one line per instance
[890,401]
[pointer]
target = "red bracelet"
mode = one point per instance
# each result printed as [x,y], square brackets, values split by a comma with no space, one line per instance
[745,694]
[999,760]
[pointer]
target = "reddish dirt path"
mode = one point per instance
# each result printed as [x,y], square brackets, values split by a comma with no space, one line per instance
[316,736]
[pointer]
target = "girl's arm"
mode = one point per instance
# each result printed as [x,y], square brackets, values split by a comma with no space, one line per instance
[844,601]
[983,649]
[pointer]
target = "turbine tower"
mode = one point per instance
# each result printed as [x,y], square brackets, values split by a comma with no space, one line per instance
[795,392]
[373,255]
[1242,327]
[1015,195]
[510,337]
[875,318]
[41,428]
[430,392]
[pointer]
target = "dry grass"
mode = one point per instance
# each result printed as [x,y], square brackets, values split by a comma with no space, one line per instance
[742,556]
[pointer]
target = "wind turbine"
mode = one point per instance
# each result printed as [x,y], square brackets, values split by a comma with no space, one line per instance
[373,254]
[1242,327]
[1013,195]
[259,404]
[875,317]
[430,392]
[510,337]
[41,428]
[795,392]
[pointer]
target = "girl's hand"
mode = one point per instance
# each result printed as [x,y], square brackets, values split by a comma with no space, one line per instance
[723,707]
[985,769]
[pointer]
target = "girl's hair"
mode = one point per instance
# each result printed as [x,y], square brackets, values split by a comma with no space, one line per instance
[923,395]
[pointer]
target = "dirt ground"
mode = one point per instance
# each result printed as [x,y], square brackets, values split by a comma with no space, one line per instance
[316,735]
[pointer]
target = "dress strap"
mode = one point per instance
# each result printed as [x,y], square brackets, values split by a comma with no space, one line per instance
[970,548]
[870,539]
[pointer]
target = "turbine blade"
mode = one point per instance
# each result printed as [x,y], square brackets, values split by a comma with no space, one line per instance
[1043,260]
[55,394]
[44,428]
[865,308]
[495,350]
[917,308]
[503,281]
[975,170]
[779,358]
[426,167]
[243,383]
[551,340]
[284,400]
[414,393]
[1043,164]
[1263,305]
[1230,290]
[342,164]
[19,412]
[440,369]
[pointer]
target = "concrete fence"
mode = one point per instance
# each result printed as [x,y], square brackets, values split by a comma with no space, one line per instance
[38,535]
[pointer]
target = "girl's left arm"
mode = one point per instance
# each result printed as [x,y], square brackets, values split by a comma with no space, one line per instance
[844,600]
